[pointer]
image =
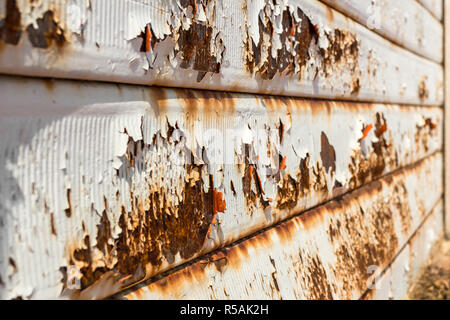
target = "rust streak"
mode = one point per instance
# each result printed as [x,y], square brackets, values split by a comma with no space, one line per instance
[10,26]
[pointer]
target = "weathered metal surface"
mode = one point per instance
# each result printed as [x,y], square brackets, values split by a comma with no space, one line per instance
[98,178]
[327,253]
[397,279]
[300,48]
[434,6]
[404,22]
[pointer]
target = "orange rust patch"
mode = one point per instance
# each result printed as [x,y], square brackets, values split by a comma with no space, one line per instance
[218,202]
[203,101]
[148,38]
[365,132]
[383,129]
[424,133]
[283,163]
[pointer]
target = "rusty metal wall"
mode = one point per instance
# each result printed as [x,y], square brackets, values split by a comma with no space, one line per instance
[327,253]
[174,168]
[399,277]
[162,191]
[301,48]
[403,22]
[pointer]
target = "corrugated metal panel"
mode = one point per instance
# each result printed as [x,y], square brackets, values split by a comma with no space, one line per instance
[302,48]
[434,6]
[184,172]
[327,253]
[404,270]
[404,22]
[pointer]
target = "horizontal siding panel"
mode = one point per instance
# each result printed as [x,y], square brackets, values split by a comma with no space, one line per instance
[435,7]
[404,22]
[100,178]
[404,271]
[302,48]
[327,253]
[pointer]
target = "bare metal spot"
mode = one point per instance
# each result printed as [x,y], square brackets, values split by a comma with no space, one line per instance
[327,153]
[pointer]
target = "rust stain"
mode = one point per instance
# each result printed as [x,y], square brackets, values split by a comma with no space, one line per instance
[288,193]
[399,195]
[424,133]
[290,189]
[296,34]
[218,202]
[49,84]
[327,153]
[365,132]
[206,102]
[365,239]
[148,37]
[104,234]
[10,26]
[52,224]
[233,190]
[251,183]
[48,31]
[362,235]
[381,130]
[68,210]
[430,124]
[423,92]
[13,264]
[154,229]
[319,287]
[283,163]
[198,47]
[370,166]
[342,52]
[196,50]
[304,174]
